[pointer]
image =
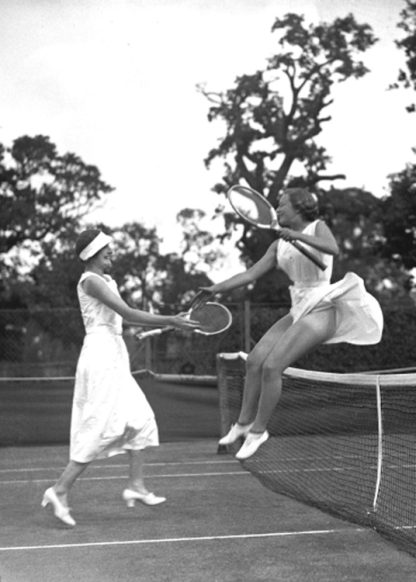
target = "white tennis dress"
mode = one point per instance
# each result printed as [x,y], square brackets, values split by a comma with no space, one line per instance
[107,400]
[359,319]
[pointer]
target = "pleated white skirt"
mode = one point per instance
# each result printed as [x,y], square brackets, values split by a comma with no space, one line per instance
[359,319]
[108,403]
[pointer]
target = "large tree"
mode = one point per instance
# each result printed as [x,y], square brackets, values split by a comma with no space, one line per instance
[358,219]
[399,207]
[41,191]
[274,116]
[399,218]
[147,276]
[44,196]
[199,247]
[407,43]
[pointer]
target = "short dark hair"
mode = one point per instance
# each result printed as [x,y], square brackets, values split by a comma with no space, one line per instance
[303,202]
[85,238]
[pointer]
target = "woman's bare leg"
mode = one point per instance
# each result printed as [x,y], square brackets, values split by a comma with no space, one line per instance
[136,488]
[254,364]
[67,479]
[304,335]
[136,473]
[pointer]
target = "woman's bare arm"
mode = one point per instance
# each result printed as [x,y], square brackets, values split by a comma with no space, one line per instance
[97,288]
[323,240]
[265,264]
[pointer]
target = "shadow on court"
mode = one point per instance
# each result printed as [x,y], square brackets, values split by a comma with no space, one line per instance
[219,524]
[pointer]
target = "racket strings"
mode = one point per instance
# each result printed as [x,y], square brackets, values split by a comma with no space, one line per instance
[212,317]
[251,205]
[256,210]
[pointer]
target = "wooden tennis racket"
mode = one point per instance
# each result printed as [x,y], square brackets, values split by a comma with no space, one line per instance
[256,210]
[213,318]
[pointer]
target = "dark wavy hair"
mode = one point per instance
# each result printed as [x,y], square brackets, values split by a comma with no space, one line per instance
[85,238]
[303,202]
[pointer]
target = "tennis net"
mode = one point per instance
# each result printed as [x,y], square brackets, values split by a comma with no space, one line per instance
[344,443]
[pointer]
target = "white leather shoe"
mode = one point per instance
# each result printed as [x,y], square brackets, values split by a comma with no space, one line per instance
[130,497]
[59,509]
[251,444]
[236,431]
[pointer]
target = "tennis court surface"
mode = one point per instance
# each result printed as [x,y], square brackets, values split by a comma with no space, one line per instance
[302,509]
[219,524]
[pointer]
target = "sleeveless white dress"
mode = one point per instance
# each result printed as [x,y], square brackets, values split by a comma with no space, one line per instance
[359,319]
[107,400]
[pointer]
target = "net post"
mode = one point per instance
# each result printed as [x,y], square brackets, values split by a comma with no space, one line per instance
[229,394]
[222,400]
[148,353]
[247,326]
[379,443]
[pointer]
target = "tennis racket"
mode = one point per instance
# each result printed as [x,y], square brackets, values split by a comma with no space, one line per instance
[213,318]
[256,210]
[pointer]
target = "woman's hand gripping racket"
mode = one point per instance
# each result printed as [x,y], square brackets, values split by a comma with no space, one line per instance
[213,318]
[255,209]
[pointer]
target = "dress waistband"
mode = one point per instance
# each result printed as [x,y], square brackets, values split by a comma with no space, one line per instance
[309,285]
[104,329]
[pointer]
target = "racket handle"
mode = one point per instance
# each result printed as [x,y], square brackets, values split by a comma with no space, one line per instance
[308,254]
[200,298]
[141,335]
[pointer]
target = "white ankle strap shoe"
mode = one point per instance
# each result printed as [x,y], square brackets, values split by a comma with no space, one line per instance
[236,432]
[251,444]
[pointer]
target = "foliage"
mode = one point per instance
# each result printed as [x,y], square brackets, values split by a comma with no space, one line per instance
[53,279]
[357,219]
[407,78]
[146,276]
[399,209]
[143,273]
[43,196]
[272,117]
[199,247]
[136,261]
[174,352]
[399,218]
[42,191]
[54,337]
[394,351]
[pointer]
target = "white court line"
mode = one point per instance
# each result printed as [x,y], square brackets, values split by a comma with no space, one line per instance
[168,464]
[185,539]
[213,474]
[122,465]
[180,463]
[328,469]
[113,477]
[205,462]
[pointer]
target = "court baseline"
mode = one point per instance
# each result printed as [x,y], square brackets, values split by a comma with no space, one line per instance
[186,539]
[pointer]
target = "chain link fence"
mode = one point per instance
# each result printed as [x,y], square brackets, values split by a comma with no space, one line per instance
[47,342]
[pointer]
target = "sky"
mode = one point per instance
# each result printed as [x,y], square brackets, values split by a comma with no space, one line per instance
[114,81]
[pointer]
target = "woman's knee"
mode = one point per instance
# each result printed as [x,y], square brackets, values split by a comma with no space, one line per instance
[271,369]
[253,363]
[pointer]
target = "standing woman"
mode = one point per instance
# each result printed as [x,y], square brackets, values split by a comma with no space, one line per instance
[110,413]
[321,313]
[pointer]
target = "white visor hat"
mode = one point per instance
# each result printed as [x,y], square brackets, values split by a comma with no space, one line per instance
[98,243]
